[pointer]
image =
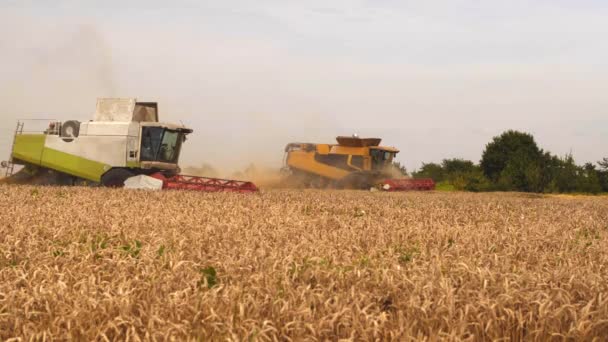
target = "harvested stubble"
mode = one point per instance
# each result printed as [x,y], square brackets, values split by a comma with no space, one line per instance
[85,264]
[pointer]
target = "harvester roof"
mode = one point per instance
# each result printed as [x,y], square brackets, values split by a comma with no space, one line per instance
[125,110]
[385,148]
[169,126]
[358,142]
[372,143]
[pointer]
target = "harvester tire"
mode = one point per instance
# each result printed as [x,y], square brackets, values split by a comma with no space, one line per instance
[64,179]
[357,181]
[70,129]
[116,178]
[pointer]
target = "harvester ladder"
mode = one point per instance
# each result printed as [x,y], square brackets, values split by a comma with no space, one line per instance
[10,168]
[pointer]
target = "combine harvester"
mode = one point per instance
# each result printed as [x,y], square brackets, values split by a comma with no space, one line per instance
[353,163]
[124,141]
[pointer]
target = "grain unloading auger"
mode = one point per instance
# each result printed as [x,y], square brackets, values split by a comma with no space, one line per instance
[125,139]
[353,163]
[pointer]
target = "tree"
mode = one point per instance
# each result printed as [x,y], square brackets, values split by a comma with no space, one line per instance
[603,164]
[463,174]
[549,166]
[565,175]
[602,174]
[430,170]
[521,173]
[457,165]
[476,181]
[501,151]
[603,180]
[588,180]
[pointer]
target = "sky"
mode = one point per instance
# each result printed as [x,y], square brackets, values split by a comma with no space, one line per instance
[437,79]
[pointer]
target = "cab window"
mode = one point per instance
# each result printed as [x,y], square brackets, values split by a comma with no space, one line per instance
[381,159]
[160,145]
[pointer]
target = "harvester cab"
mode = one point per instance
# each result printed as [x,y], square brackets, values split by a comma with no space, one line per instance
[381,158]
[359,163]
[125,139]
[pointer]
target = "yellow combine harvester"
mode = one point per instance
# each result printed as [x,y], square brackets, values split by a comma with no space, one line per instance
[353,163]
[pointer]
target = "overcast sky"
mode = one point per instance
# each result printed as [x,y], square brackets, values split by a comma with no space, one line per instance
[437,79]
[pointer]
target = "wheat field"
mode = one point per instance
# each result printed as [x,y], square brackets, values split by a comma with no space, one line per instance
[287,265]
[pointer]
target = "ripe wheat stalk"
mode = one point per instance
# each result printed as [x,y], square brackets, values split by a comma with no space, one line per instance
[100,264]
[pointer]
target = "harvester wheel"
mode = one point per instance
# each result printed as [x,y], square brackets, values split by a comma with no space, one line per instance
[359,181]
[317,183]
[64,179]
[294,179]
[116,178]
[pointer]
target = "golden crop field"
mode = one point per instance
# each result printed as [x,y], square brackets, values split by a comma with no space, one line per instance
[102,264]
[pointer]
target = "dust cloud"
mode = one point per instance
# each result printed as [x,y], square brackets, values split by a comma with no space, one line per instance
[50,73]
[263,176]
[58,70]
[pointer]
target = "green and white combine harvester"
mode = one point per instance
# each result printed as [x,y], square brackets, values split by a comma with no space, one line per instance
[124,140]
